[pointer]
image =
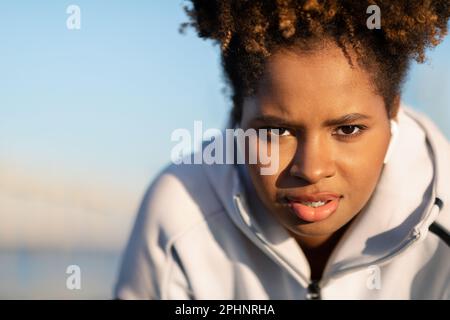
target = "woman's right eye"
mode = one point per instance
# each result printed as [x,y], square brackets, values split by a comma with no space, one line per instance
[277,131]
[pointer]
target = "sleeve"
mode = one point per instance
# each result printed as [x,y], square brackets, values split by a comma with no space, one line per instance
[151,268]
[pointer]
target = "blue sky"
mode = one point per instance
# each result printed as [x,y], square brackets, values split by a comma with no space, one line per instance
[102,100]
[100,103]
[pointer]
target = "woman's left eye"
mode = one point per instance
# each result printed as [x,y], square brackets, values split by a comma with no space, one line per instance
[350,130]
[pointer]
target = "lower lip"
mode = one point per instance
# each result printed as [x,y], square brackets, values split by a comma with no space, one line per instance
[311,214]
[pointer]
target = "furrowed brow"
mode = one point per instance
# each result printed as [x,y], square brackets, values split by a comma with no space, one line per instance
[345,119]
[348,118]
[272,120]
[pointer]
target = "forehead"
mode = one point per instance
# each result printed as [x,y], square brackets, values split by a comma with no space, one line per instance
[295,83]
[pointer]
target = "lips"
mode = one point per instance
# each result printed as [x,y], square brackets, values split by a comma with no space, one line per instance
[298,205]
[322,196]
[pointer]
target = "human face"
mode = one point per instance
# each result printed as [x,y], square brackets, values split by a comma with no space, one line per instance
[333,135]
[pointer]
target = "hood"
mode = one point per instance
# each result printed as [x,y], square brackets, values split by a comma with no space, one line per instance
[413,188]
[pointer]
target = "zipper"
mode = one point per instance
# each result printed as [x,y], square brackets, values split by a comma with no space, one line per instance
[315,286]
[314,291]
[415,237]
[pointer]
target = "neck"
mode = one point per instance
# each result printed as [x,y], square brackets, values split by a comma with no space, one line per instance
[319,243]
[318,249]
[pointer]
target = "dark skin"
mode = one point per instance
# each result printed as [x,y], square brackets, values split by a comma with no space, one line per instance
[299,94]
[318,255]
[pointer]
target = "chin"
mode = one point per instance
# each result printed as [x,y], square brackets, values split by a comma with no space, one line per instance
[316,229]
[311,230]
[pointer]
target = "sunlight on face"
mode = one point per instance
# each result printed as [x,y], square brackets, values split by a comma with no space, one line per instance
[333,135]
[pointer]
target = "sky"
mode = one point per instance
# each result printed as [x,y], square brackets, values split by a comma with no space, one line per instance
[102,101]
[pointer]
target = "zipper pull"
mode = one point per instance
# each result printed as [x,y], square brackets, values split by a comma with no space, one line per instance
[313,291]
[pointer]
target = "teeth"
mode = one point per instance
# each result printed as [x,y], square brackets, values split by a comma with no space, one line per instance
[314,204]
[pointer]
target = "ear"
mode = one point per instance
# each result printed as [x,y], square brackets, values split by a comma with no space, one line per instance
[393,113]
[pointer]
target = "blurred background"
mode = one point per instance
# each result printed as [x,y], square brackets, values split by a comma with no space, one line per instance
[86,117]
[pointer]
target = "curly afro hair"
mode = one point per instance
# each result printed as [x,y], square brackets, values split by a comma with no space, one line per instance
[249,31]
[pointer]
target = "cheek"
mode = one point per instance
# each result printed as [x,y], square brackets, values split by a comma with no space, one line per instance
[362,169]
[265,185]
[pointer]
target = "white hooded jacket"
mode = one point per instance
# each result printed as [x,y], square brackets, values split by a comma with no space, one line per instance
[196,236]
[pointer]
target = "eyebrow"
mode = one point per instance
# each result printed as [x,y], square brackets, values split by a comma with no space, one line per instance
[348,118]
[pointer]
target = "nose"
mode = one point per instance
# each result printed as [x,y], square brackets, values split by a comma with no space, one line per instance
[313,160]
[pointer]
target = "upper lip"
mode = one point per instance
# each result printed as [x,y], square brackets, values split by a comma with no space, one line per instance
[313,197]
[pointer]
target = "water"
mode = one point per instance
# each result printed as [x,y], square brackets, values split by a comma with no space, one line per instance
[42,274]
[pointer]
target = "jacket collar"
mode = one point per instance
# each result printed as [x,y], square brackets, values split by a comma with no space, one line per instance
[440,148]
[262,229]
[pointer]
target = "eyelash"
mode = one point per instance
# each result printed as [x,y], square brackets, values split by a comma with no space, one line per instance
[361,129]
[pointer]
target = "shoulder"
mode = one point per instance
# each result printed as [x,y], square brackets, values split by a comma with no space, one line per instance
[180,197]
[440,149]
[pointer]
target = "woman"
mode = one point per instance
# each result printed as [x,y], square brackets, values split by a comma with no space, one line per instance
[359,206]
